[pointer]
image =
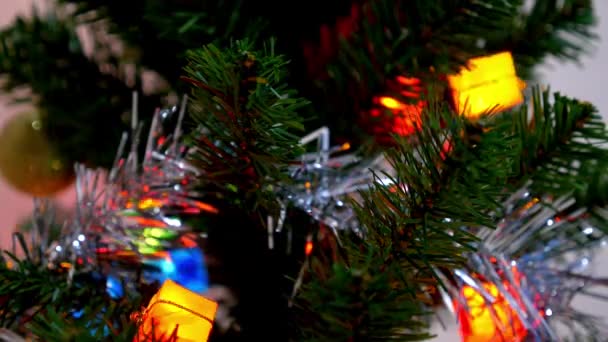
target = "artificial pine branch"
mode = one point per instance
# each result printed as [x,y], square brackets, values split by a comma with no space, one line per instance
[413,37]
[366,300]
[246,117]
[24,288]
[99,322]
[158,41]
[39,301]
[415,226]
[560,29]
[417,35]
[563,137]
[428,39]
[450,178]
[564,159]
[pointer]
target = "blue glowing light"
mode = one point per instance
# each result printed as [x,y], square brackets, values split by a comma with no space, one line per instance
[185,266]
[114,287]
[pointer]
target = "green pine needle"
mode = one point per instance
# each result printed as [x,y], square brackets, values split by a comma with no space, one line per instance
[563,143]
[248,116]
[40,301]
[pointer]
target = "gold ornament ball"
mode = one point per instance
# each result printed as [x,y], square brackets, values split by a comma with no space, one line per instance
[28,161]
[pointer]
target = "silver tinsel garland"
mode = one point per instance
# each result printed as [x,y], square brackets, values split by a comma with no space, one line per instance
[131,211]
[327,179]
[537,260]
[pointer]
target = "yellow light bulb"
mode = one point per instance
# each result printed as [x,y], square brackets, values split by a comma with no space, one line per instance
[489,83]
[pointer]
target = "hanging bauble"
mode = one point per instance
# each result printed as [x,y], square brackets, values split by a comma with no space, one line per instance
[28,161]
[488,84]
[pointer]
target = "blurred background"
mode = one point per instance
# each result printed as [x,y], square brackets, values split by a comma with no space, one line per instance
[585,81]
[16,206]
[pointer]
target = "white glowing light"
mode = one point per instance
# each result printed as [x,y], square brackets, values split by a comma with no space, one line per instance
[588,230]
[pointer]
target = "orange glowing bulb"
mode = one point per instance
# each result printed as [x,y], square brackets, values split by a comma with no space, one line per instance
[149,203]
[308,248]
[488,322]
[391,103]
[488,83]
[177,314]
[410,94]
[408,81]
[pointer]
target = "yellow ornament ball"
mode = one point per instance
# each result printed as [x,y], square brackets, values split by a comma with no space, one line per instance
[28,161]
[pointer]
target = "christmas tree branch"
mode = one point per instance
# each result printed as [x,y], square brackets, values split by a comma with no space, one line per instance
[247,115]
[564,141]
[40,300]
[366,300]
[447,180]
[427,39]
[99,321]
[563,161]
[414,36]
[145,26]
[550,28]
[450,178]
[455,176]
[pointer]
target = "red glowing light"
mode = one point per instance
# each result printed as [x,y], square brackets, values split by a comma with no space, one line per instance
[207,207]
[408,81]
[308,248]
[148,222]
[103,250]
[188,241]
[406,116]
[192,211]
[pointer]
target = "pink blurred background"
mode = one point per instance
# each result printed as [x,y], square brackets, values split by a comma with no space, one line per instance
[15,206]
[585,81]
